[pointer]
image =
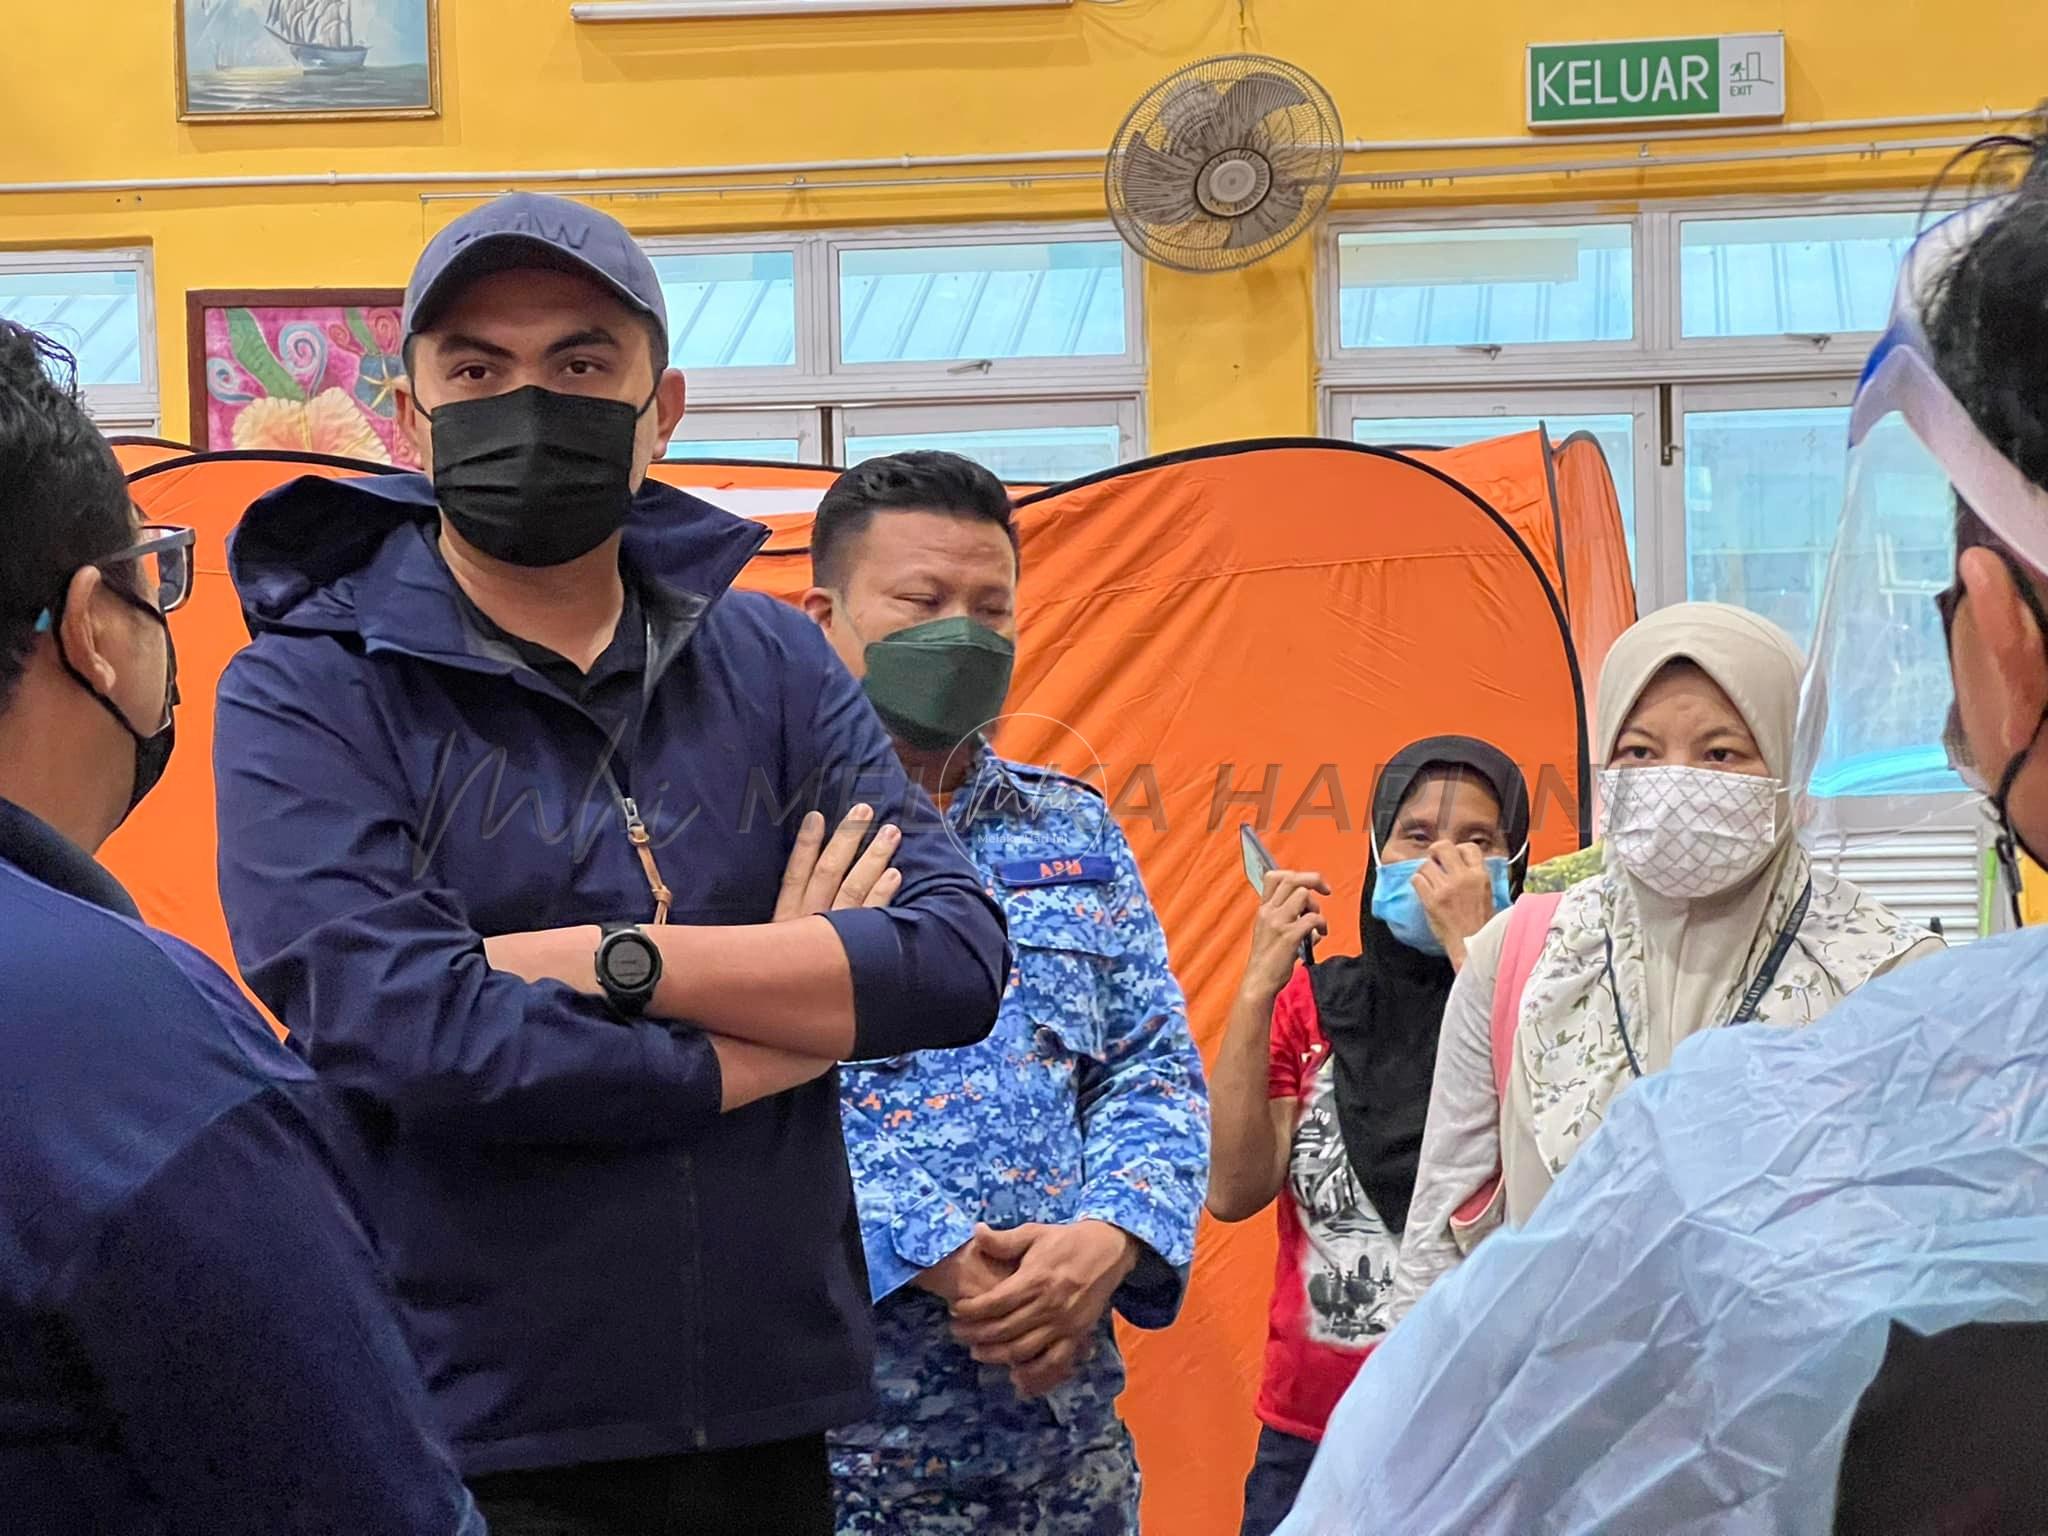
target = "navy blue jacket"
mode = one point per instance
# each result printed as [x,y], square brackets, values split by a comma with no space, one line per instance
[595,1263]
[193,1333]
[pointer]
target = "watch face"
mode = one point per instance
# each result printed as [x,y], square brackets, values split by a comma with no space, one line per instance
[629,962]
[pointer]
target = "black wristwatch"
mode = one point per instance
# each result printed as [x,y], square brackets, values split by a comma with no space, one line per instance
[628,968]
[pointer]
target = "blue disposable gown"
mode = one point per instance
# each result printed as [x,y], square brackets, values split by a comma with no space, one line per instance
[1677,1339]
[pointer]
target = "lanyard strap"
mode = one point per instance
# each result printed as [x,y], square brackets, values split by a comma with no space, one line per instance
[1752,1000]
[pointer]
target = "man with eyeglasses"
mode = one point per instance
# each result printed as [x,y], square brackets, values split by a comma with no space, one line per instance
[194,1335]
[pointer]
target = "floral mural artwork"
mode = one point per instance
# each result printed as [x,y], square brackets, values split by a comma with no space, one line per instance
[301,373]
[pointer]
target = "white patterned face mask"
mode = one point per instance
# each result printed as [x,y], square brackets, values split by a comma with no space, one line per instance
[1689,833]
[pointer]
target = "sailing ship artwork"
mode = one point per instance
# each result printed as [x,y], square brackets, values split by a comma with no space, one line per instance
[320,33]
[244,59]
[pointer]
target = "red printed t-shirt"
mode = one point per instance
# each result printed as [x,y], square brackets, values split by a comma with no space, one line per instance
[1336,1267]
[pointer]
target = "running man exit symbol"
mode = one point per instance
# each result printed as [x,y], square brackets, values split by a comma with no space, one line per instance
[1746,74]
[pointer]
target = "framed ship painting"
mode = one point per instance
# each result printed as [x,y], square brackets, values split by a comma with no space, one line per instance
[312,370]
[254,60]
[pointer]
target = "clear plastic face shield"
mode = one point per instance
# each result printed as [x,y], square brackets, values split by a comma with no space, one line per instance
[1879,750]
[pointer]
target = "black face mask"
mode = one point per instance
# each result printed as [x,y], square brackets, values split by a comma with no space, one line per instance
[535,477]
[153,751]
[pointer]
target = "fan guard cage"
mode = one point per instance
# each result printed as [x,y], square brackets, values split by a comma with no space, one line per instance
[1223,163]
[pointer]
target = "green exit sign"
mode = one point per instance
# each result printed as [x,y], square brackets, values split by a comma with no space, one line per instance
[1666,79]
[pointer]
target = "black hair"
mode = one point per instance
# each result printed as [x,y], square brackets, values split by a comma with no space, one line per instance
[1987,314]
[922,481]
[63,499]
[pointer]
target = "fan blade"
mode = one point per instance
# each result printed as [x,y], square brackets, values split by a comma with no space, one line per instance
[1157,188]
[1276,214]
[1251,100]
[1183,117]
[1300,162]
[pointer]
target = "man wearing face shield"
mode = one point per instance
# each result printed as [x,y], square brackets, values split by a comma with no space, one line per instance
[1016,1193]
[512,837]
[196,1334]
[1710,1321]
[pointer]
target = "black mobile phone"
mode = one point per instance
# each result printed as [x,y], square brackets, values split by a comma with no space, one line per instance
[1258,863]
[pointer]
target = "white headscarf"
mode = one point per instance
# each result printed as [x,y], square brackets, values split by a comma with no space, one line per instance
[1680,966]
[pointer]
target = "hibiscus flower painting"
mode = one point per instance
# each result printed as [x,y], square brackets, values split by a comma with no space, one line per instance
[310,371]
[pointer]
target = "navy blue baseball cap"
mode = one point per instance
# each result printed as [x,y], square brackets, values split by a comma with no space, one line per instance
[527,229]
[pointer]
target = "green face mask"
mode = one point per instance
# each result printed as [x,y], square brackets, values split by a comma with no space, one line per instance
[936,684]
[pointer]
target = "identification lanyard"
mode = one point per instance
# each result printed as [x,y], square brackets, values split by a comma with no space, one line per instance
[636,829]
[1752,999]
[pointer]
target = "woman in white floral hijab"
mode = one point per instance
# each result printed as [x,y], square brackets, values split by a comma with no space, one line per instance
[1707,913]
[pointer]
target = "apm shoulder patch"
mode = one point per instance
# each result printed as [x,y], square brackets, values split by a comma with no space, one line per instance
[1065,869]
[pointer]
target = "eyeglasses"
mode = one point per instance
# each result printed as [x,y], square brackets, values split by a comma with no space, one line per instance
[162,558]
[1950,597]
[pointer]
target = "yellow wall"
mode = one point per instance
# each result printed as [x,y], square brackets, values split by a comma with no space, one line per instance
[90,96]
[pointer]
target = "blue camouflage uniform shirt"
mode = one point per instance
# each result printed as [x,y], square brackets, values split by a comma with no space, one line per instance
[1086,1102]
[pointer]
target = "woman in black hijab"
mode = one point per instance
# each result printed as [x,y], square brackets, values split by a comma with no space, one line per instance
[1322,1085]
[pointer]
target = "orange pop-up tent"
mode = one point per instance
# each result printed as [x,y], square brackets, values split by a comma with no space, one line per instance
[1239,633]
[1560,499]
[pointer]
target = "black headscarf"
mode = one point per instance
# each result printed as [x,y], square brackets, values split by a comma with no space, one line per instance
[1383,1008]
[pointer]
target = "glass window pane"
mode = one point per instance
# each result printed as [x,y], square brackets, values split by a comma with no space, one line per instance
[730,309]
[773,450]
[1020,455]
[1486,287]
[1061,298]
[1615,434]
[1821,275]
[96,316]
[1763,490]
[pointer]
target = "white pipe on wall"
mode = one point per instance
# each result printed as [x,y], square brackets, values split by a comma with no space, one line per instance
[558,177]
[1871,149]
[1386,180]
[546,177]
[802,184]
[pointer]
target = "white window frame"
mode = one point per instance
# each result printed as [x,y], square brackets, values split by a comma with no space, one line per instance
[1659,354]
[1467,361]
[1525,380]
[1554,361]
[988,416]
[737,426]
[1672,579]
[819,381]
[115,408]
[1096,375]
[1799,355]
[711,386]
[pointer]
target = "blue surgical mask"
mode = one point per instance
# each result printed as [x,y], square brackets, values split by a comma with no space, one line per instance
[1395,903]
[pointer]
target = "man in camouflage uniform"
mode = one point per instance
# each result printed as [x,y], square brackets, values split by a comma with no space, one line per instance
[1014,1194]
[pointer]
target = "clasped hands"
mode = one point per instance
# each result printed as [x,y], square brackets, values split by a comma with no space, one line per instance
[1028,1299]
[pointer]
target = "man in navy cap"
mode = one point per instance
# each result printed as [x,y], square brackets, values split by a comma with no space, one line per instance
[509,784]
[193,1332]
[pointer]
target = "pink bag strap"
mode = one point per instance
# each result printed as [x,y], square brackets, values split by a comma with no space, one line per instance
[1521,947]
